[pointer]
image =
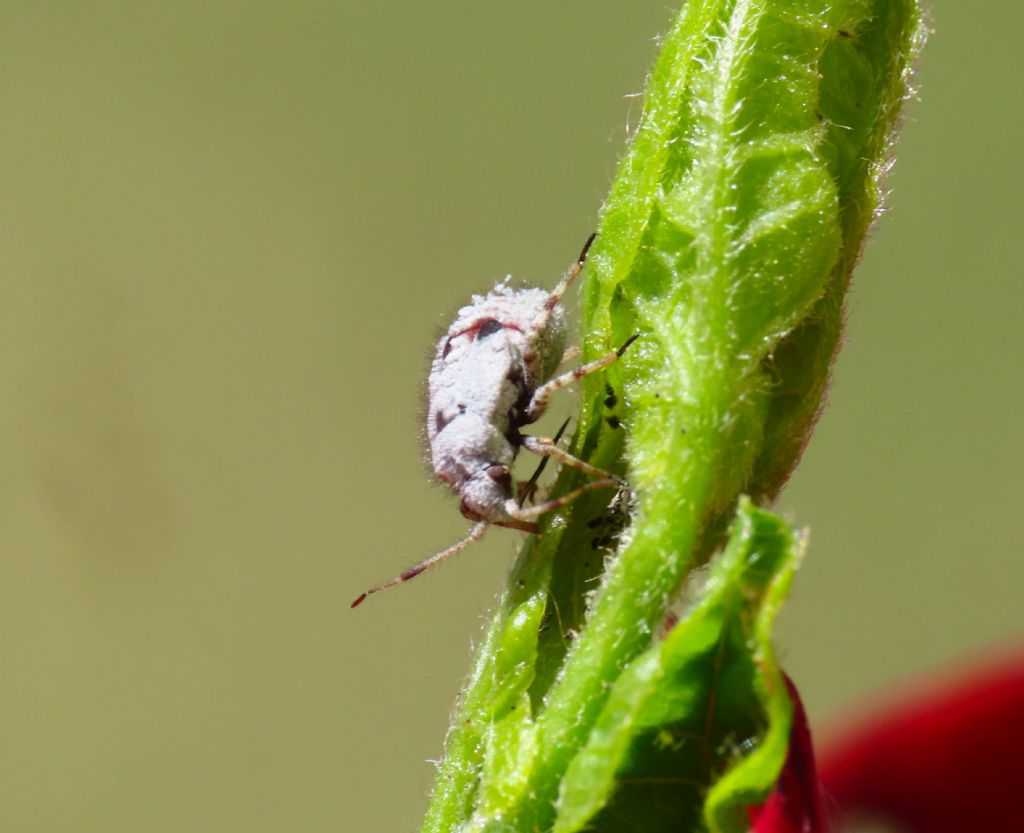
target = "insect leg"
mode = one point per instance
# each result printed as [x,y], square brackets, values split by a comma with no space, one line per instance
[548,448]
[570,354]
[549,506]
[539,402]
[527,489]
[475,534]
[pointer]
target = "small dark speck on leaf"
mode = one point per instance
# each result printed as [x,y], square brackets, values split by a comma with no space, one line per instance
[611,400]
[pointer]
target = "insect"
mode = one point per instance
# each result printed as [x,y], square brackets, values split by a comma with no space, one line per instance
[492,375]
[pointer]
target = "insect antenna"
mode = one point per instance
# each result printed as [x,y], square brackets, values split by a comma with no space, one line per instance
[475,534]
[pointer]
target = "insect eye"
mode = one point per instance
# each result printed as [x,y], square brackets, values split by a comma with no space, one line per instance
[489,327]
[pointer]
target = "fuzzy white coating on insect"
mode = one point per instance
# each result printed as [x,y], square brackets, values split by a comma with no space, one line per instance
[491,376]
[499,349]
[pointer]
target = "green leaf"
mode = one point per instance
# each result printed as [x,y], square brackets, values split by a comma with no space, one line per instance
[866,75]
[727,244]
[693,703]
[489,742]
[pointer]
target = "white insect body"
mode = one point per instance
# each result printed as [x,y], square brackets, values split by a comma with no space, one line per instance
[488,366]
[493,374]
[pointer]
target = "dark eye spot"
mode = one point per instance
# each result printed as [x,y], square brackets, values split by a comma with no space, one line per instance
[447,349]
[440,422]
[489,327]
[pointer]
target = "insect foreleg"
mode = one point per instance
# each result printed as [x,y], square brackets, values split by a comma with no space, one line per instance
[539,402]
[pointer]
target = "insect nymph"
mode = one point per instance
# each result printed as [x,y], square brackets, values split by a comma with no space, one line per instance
[492,375]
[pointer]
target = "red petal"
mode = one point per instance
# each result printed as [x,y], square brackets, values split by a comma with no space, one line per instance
[947,761]
[794,805]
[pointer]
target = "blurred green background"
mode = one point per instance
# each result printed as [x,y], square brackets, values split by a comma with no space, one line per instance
[228,233]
